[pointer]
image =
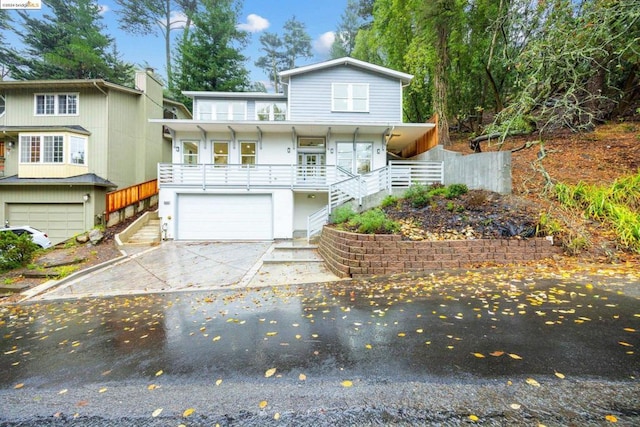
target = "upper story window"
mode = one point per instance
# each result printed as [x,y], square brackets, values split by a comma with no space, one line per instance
[350,97]
[56,104]
[2,105]
[222,110]
[190,152]
[52,149]
[247,153]
[271,111]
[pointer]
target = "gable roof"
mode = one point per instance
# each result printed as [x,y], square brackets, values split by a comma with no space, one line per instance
[347,61]
[66,85]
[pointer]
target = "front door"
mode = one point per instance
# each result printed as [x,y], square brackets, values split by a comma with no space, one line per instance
[311,167]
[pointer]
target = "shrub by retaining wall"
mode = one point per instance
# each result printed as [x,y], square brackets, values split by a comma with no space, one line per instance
[352,254]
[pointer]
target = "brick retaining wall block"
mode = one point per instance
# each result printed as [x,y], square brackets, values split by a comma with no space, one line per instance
[352,254]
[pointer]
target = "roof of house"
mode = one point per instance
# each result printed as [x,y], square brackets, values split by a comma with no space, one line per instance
[45,128]
[404,77]
[234,95]
[86,179]
[67,84]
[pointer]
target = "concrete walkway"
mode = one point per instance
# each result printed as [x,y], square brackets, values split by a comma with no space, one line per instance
[180,266]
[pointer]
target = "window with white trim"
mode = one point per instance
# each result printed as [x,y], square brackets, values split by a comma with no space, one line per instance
[355,158]
[220,153]
[222,110]
[50,149]
[60,104]
[271,111]
[190,152]
[350,97]
[247,153]
[2,105]
[78,149]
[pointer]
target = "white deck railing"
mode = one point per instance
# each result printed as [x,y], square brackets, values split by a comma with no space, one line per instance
[248,176]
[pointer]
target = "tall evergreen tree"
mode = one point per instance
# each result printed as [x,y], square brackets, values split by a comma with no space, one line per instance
[4,49]
[274,59]
[208,57]
[297,42]
[68,43]
[145,17]
[350,23]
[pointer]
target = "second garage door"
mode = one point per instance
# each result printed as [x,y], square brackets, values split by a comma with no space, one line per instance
[225,217]
[60,221]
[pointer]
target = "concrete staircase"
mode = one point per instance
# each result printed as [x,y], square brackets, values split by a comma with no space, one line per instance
[293,251]
[148,234]
[145,231]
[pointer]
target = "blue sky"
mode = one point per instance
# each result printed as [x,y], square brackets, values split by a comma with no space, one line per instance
[320,17]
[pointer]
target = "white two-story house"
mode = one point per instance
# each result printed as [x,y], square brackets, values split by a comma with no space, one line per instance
[256,166]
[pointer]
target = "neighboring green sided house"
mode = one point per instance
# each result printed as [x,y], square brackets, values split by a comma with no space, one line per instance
[65,143]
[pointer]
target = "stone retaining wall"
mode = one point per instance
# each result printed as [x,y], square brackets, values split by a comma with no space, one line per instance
[352,254]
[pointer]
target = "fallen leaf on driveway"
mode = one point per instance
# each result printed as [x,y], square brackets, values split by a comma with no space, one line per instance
[269,372]
[156,412]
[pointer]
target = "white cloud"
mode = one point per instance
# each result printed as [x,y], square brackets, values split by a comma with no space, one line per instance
[178,20]
[255,24]
[322,45]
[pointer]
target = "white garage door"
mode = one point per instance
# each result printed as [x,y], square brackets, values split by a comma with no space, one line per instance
[225,217]
[60,221]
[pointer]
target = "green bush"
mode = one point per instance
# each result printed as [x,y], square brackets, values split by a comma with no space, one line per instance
[374,221]
[418,195]
[456,190]
[342,214]
[15,251]
[389,201]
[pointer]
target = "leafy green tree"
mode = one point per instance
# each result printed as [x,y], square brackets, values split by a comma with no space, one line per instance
[274,59]
[297,42]
[67,43]
[209,58]
[580,68]
[145,17]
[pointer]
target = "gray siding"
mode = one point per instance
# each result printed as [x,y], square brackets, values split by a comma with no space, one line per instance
[310,96]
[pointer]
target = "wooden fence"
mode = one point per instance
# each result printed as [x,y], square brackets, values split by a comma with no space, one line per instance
[120,199]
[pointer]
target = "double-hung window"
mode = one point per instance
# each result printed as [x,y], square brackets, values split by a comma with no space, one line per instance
[350,97]
[220,153]
[62,104]
[247,153]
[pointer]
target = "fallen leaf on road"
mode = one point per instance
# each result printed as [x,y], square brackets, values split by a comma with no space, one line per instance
[18,386]
[156,412]
[515,406]
[102,390]
[611,418]
[276,416]
[302,377]
[559,375]
[497,353]
[533,382]
[474,418]
[515,356]
[478,355]
[263,404]
[188,412]
[160,372]
[346,383]
[218,382]
[269,372]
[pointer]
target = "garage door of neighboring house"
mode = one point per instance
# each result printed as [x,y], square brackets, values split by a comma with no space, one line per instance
[60,221]
[225,217]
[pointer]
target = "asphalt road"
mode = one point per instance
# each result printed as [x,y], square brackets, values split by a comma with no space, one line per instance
[488,349]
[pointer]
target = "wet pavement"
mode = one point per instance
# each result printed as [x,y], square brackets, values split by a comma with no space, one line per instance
[507,349]
[179,266]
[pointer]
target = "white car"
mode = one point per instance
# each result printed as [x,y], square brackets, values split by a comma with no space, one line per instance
[37,236]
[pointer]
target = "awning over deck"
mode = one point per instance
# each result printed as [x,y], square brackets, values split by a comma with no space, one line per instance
[396,135]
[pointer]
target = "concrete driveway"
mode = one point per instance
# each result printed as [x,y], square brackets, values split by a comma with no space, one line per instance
[180,266]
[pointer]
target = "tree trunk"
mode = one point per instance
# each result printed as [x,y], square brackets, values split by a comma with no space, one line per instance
[440,82]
